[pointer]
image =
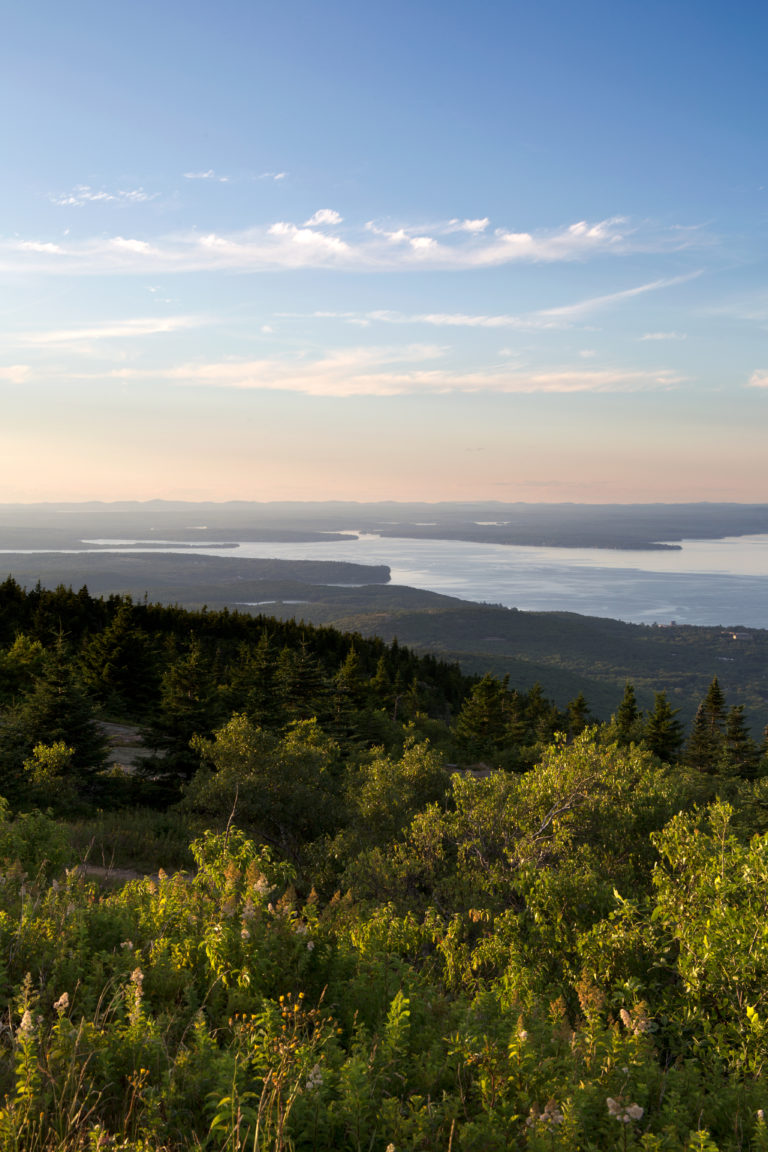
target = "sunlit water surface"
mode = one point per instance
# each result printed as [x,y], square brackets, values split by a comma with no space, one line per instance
[704,582]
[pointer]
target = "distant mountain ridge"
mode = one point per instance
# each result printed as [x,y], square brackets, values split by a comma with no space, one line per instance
[641,526]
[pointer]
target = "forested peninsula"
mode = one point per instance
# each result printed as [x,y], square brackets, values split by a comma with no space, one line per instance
[268,885]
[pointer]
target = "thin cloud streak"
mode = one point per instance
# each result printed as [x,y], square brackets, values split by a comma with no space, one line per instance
[382,372]
[207,175]
[117,330]
[83,194]
[542,319]
[287,246]
[15,373]
[595,302]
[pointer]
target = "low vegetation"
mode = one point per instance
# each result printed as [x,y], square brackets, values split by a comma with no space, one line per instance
[378,905]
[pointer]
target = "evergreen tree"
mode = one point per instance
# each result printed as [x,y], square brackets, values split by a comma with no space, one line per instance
[13,609]
[349,698]
[252,688]
[705,749]
[662,732]
[120,666]
[56,710]
[301,684]
[189,706]
[741,752]
[627,721]
[578,714]
[544,719]
[481,727]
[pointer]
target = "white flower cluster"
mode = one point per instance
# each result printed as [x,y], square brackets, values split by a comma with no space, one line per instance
[62,1003]
[315,1078]
[637,1022]
[623,1112]
[262,885]
[27,1024]
[550,1115]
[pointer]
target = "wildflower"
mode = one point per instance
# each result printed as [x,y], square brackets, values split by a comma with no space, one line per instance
[137,977]
[623,1112]
[637,1021]
[760,1116]
[127,945]
[62,1003]
[248,910]
[27,1023]
[301,928]
[262,885]
[245,934]
[550,1115]
[310,945]
[522,1035]
[390,1148]
[315,1078]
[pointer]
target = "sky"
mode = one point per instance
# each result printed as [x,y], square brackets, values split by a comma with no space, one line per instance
[508,251]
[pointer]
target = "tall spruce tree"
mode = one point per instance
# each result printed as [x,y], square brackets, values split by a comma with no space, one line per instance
[627,720]
[662,732]
[741,753]
[120,666]
[189,706]
[481,726]
[705,748]
[578,714]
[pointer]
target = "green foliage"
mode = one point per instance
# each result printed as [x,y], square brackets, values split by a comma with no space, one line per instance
[55,712]
[366,951]
[284,789]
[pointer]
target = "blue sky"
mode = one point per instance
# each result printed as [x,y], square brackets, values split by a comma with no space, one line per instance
[510,251]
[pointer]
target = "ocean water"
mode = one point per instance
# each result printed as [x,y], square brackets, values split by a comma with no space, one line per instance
[704,582]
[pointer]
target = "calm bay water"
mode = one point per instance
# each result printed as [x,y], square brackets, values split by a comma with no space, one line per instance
[705,582]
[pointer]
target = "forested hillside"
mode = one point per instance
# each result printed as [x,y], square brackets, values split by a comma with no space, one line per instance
[420,911]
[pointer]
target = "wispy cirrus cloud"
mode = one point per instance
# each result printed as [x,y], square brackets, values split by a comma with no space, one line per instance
[211,174]
[385,372]
[109,330]
[208,174]
[593,303]
[542,319]
[83,194]
[286,245]
[664,336]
